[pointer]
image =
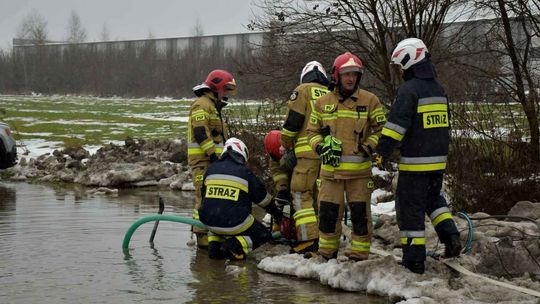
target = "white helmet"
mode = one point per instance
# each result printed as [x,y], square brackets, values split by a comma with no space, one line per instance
[237,146]
[408,52]
[310,66]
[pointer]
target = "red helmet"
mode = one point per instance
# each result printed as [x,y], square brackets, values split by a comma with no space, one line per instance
[346,62]
[272,143]
[220,80]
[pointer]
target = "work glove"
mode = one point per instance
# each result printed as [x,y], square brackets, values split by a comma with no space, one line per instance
[288,161]
[213,157]
[378,160]
[330,151]
[274,211]
[282,198]
[336,152]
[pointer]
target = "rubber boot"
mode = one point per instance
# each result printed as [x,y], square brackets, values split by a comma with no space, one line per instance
[453,247]
[414,266]
[232,249]
[202,240]
[215,252]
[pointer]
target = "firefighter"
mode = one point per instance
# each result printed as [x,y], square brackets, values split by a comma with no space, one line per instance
[419,123]
[344,130]
[228,191]
[207,133]
[313,85]
[280,174]
[282,164]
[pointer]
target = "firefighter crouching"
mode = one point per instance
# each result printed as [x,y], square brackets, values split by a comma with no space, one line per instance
[227,194]
[207,133]
[419,122]
[344,129]
[281,173]
[313,85]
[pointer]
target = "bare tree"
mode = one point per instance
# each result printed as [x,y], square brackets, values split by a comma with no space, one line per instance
[75,31]
[197,30]
[33,28]
[511,41]
[104,35]
[369,28]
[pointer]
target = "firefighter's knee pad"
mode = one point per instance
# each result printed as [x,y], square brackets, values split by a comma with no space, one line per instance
[232,249]
[359,218]
[328,217]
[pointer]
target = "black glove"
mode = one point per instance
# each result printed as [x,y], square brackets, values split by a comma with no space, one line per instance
[289,161]
[282,198]
[325,131]
[213,157]
[274,211]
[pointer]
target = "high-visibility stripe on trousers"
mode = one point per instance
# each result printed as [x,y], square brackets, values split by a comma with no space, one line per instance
[303,191]
[416,196]
[331,210]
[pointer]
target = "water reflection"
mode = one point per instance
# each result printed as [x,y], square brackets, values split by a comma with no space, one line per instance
[8,197]
[60,245]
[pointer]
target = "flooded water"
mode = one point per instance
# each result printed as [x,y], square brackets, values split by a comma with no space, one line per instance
[58,245]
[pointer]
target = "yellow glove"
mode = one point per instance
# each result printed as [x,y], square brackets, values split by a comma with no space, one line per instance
[378,160]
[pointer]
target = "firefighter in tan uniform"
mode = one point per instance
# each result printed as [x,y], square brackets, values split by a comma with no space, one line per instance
[207,133]
[313,85]
[344,129]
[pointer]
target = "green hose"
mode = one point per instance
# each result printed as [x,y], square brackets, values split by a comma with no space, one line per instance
[170,218]
[158,217]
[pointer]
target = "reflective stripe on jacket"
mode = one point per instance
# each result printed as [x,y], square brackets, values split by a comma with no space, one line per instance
[206,130]
[419,121]
[300,106]
[357,121]
[228,191]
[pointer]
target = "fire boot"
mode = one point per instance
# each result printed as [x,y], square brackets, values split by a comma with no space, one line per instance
[313,254]
[202,240]
[355,258]
[304,247]
[453,247]
[414,266]
[232,249]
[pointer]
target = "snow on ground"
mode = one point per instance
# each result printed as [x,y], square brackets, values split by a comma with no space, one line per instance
[33,148]
[388,208]
[382,173]
[162,116]
[383,276]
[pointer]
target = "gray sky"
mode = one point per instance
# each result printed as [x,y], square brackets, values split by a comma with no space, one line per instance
[129,19]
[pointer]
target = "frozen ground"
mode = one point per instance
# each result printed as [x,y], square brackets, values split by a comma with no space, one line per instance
[383,276]
[512,246]
[33,148]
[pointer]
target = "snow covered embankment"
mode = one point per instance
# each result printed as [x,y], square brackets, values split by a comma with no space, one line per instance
[500,247]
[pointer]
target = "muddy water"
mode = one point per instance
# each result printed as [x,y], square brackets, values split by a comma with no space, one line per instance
[59,245]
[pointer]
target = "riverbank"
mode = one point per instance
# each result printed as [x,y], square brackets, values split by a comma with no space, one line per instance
[136,163]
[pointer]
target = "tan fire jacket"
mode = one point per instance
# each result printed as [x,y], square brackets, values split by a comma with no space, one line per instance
[206,130]
[301,104]
[357,122]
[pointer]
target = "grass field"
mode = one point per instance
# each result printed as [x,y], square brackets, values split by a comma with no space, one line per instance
[56,120]
[502,115]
